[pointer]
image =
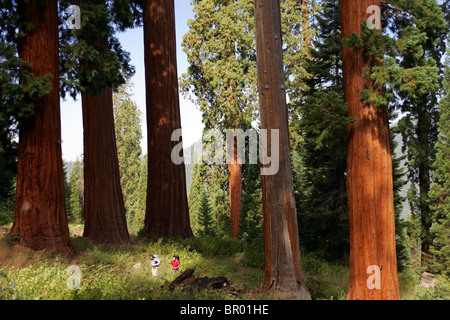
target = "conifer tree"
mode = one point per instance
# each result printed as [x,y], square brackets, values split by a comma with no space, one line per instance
[127,124]
[94,65]
[283,274]
[369,162]
[251,212]
[440,189]
[204,216]
[76,185]
[222,76]
[167,211]
[419,31]
[40,216]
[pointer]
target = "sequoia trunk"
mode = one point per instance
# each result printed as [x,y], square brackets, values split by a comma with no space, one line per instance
[104,210]
[373,265]
[235,189]
[39,213]
[167,212]
[282,273]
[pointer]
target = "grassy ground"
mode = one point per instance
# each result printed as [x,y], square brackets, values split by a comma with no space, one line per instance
[124,271]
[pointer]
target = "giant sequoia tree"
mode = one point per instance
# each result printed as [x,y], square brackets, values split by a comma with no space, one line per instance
[369,167]
[95,65]
[167,212]
[222,77]
[282,273]
[40,218]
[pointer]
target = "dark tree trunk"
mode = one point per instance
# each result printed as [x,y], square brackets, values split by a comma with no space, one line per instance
[40,216]
[369,174]
[104,210]
[423,125]
[283,272]
[167,212]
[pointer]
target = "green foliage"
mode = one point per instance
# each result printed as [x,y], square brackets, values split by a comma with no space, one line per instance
[251,212]
[440,190]
[321,121]
[221,76]
[214,246]
[127,124]
[204,216]
[91,57]
[440,292]
[325,280]
[76,194]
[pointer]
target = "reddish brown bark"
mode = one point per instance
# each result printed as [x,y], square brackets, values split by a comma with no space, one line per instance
[235,189]
[103,210]
[40,216]
[306,23]
[283,272]
[369,173]
[167,212]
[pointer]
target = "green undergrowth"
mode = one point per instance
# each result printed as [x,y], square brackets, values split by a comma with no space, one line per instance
[110,272]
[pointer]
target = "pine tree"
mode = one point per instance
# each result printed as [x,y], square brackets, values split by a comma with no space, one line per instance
[76,185]
[204,216]
[322,196]
[440,189]
[251,212]
[418,30]
[127,124]
[196,188]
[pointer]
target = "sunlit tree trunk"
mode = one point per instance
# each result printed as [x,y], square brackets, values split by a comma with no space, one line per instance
[40,217]
[167,212]
[373,264]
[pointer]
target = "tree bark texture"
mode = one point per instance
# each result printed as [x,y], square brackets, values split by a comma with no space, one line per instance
[39,214]
[167,212]
[283,275]
[235,189]
[369,175]
[104,210]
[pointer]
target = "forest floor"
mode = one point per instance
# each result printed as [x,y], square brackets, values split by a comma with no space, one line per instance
[109,272]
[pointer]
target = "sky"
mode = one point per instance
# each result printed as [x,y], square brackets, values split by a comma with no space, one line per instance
[133,41]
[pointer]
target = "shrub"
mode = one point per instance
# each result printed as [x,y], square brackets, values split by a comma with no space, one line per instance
[215,247]
[254,254]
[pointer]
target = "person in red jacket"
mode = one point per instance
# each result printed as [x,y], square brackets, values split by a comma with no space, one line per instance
[175,263]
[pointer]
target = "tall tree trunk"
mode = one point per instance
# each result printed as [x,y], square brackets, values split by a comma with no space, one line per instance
[40,216]
[235,189]
[373,264]
[167,212]
[283,275]
[234,168]
[104,210]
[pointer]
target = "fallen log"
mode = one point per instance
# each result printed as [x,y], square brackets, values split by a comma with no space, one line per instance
[187,280]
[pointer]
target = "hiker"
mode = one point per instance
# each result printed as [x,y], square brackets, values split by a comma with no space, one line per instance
[175,263]
[155,264]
